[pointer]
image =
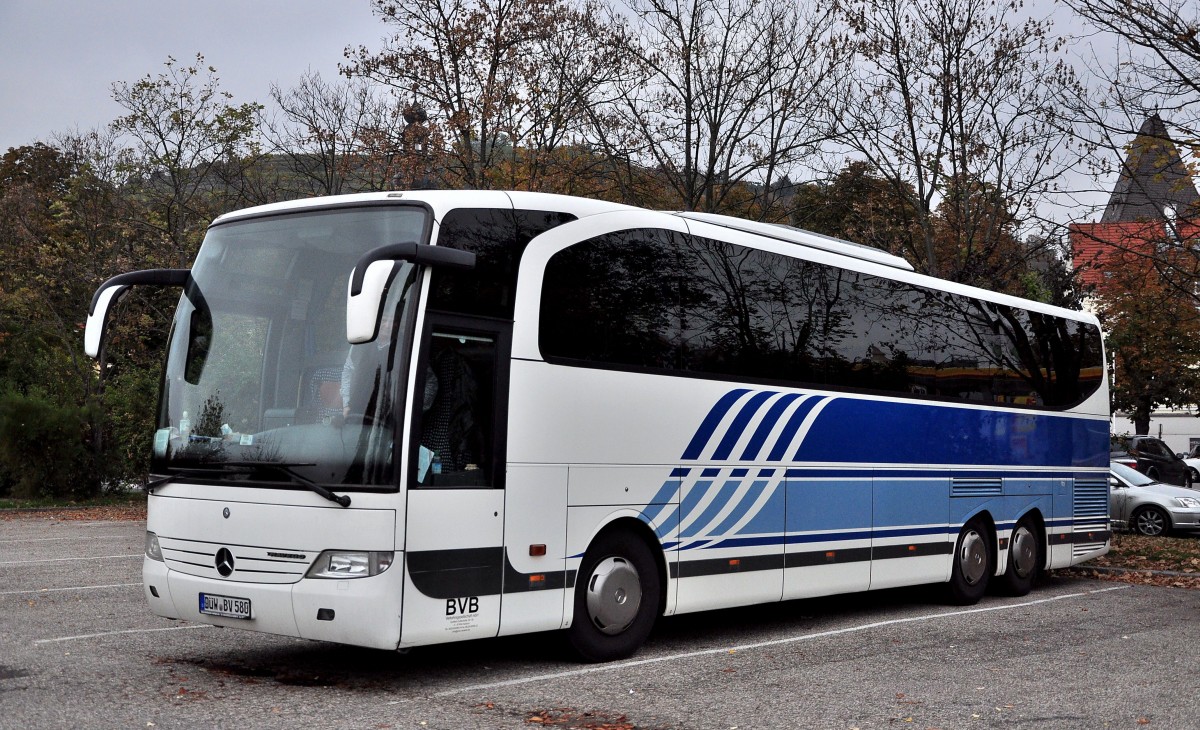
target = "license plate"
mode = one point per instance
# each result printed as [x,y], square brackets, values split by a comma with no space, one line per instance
[227,606]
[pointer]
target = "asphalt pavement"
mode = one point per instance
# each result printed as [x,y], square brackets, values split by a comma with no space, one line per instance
[78,648]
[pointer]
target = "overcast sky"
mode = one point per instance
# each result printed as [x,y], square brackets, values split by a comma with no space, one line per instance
[59,58]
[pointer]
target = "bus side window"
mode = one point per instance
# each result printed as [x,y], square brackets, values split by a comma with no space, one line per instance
[458,410]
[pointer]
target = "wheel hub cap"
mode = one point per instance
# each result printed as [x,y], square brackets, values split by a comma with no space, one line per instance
[1024,552]
[972,557]
[613,596]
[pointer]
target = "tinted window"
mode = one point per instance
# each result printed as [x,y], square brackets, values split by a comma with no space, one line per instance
[661,301]
[615,299]
[498,238]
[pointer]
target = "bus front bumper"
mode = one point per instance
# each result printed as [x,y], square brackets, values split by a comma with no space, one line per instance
[359,611]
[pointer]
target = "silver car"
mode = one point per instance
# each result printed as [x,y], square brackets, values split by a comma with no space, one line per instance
[1148,507]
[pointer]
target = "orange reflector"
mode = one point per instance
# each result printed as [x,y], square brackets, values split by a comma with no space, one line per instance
[831,554]
[734,563]
[537,578]
[537,550]
[912,548]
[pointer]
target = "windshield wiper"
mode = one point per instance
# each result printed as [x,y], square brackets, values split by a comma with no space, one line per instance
[288,469]
[243,466]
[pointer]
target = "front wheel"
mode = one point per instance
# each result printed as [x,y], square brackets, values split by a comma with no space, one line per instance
[972,564]
[1151,522]
[1025,559]
[616,598]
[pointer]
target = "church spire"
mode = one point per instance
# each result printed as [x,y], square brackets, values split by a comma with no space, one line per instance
[1154,182]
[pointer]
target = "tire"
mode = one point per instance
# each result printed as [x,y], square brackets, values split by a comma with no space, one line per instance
[1151,522]
[617,597]
[1026,558]
[974,563]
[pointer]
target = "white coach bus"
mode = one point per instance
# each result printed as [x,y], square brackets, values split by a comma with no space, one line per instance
[406,418]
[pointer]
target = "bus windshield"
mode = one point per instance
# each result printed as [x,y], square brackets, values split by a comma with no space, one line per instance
[260,380]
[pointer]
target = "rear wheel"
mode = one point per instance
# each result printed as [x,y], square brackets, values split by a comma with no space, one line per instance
[1151,522]
[1025,559]
[617,596]
[972,564]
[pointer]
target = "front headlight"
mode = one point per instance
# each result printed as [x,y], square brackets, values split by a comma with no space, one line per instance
[1190,502]
[153,551]
[349,564]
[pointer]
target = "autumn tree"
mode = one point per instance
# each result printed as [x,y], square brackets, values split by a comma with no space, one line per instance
[1153,338]
[494,89]
[951,95]
[1144,107]
[857,205]
[188,152]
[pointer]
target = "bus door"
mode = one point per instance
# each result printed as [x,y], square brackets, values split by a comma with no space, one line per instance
[454,546]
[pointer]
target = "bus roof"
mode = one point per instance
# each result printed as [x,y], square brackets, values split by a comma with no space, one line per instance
[792,234]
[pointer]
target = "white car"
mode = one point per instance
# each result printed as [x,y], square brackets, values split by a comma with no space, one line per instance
[1193,465]
[1148,507]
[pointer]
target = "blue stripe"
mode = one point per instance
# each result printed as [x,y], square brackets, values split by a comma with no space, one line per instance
[913,531]
[829,537]
[738,427]
[887,471]
[668,523]
[711,421]
[789,431]
[666,493]
[692,498]
[714,507]
[742,508]
[854,430]
[764,428]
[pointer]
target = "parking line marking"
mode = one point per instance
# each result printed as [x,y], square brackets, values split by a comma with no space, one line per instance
[760,644]
[72,588]
[117,633]
[65,560]
[57,539]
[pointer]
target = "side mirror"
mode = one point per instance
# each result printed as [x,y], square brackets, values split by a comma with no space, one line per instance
[112,290]
[373,274]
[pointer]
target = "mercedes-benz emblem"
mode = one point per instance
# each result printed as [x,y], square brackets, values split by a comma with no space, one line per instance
[224,562]
[225,513]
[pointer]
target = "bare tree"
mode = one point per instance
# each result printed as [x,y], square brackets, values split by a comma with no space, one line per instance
[498,80]
[960,95]
[723,97]
[327,132]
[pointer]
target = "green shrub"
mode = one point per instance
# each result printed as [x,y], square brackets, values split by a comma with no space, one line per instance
[44,449]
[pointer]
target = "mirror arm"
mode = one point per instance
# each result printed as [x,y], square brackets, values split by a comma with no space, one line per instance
[151,277]
[418,253]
